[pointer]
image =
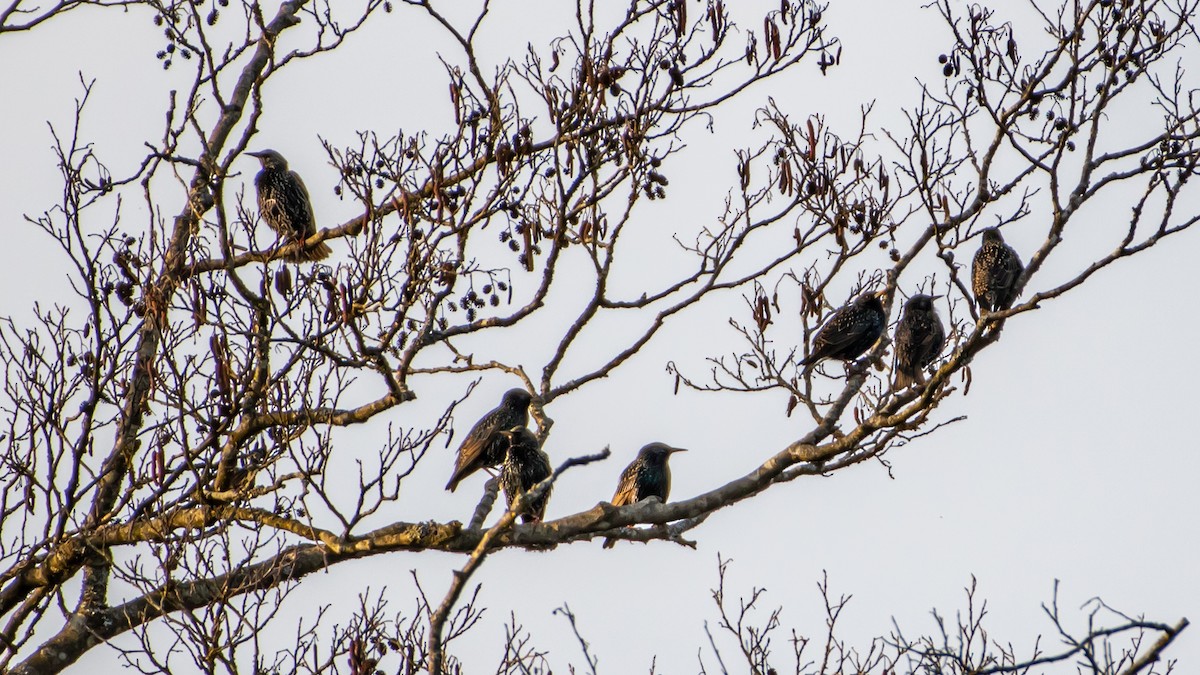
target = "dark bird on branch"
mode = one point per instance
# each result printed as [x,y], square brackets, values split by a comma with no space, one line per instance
[525,465]
[920,337]
[485,445]
[647,476]
[995,272]
[852,330]
[283,202]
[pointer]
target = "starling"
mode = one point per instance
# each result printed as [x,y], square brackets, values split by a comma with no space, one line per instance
[850,331]
[485,446]
[241,476]
[920,337]
[283,202]
[994,273]
[525,465]
[647,476]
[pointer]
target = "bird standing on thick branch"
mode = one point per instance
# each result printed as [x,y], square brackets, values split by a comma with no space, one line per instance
[647,476]
[525,465]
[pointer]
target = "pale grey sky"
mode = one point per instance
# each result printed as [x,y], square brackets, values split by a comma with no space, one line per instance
[1077,460]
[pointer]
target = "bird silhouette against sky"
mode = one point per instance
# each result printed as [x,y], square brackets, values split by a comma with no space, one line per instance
[284,203]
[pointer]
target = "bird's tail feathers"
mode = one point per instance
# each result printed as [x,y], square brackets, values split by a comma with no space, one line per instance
[904,380]
[319,251]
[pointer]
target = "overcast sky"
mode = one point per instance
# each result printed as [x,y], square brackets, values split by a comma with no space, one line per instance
[1077,460]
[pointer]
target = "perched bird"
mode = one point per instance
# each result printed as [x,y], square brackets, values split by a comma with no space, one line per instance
[485,445]
[239,475]
[525,465]
[850,331]
[647,476]
[920,337]
[283,202]
[994,273]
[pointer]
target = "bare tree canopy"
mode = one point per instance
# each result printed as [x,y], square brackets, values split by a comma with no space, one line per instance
[274,335]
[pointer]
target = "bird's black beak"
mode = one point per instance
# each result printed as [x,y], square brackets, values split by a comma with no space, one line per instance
[675,450]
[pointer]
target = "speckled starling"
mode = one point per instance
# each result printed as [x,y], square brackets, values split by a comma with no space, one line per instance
[994,273]
[525,465]
[850,331]
[920,337]
[485,445]
[647,476]
[283,202]
[240,476]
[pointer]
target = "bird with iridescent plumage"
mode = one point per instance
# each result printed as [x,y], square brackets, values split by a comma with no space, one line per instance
[850,331]
[525,465]
[647,476]
[920,337]
[994,273]
[485,445]
[284,204]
